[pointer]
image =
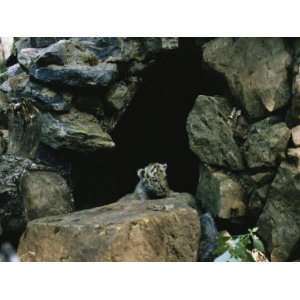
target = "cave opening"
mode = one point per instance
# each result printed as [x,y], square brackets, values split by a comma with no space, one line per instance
[153,129]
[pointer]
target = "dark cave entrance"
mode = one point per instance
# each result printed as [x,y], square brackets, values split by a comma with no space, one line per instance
[153,129]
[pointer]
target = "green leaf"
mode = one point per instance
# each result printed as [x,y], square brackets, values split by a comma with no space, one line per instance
[258,244]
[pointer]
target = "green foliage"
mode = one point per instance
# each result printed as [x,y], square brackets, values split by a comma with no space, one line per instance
[238,248]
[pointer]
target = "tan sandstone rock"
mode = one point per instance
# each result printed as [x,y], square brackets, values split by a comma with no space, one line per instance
[154,230]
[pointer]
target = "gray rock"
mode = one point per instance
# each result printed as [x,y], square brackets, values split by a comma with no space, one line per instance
[75,131]
[3,141]
[266,144]
[12,215]
[279,224]
[67,63]
[220,194]
[294,112]
[15,84]
[209,237]
[27,56]
[65,52]
[45,194]
[8,253]
[257,201]
[24,126]
[103,47]
[211,135]
[43,97]
[154,230]
[48,99]
[127,49]
[293,156]
[4,104]
[34,42]
[79,76]
[116,101]
[256,70]
[170,43]
[10,72]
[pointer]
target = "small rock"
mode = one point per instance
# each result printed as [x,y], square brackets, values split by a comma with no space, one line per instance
[209,237]
[65,52]
[75,131]
[27,56]
[220,194]
[266,143]
[45,194]
[170,43]
[122,231]
[257,201]
[8,254]
[43,97]
[35,42]
[24,125]
[262,178]
[293,154]
[10,72]
[296,135]
[117,100]
[3,141]
[12,215]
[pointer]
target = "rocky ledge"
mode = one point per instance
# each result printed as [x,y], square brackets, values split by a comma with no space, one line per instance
[153,230]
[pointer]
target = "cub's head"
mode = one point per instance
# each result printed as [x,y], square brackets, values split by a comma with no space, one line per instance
[154,179]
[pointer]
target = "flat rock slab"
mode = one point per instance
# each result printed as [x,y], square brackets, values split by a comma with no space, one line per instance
[154,230]
[75,130]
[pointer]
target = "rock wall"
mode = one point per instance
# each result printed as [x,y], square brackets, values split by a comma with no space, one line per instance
[83,114]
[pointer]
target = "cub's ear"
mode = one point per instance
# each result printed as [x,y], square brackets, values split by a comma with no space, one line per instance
[165,166]
[141,173]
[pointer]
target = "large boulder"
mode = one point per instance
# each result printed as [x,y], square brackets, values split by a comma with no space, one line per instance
[75,131]
[211,135]
[220,194]
[153,230]
[256,70]
[279,224]
[266,143]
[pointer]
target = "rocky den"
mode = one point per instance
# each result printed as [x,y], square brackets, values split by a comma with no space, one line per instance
[150,149]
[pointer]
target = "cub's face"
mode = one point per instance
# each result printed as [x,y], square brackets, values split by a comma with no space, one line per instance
[154,178]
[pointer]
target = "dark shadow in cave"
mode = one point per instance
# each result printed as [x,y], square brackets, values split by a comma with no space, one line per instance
[153,129]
